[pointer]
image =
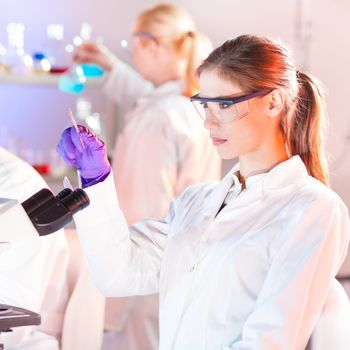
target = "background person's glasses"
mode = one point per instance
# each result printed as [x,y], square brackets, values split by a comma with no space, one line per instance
[128,44]
[227,109]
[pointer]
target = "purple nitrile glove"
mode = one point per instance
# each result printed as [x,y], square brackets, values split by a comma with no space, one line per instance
[85,152]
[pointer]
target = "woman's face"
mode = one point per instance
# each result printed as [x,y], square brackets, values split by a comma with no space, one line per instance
[143,53]
[152,60]
[242,136]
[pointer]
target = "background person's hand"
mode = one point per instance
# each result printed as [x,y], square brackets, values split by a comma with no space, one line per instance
[90,52]
[86,153]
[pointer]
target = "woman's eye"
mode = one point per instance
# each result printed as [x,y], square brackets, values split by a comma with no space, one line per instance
[204,104]
[224,105]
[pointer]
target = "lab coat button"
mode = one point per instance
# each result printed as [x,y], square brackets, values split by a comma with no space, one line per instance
[192,268]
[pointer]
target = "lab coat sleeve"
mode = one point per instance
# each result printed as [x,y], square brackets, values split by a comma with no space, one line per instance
[308,254]
[122,261]
[125,86]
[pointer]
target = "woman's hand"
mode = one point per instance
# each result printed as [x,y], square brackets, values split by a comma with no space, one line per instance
[86,153]
[90,52]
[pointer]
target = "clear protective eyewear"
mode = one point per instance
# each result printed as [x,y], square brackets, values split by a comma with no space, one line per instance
[225,109]
[128,44]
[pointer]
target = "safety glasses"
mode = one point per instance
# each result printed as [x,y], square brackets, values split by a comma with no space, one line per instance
[227,109]
[128,44]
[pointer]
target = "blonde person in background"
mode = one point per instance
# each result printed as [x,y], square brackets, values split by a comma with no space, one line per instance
[163,147]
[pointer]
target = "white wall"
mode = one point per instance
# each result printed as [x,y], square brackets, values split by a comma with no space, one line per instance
[330,62]
[39,114]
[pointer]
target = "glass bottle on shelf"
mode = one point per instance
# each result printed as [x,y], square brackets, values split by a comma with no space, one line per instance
[55,49]
[15,59]
[40,63]
[3,52]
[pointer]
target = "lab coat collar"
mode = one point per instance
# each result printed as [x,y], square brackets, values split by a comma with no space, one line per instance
[169,87]
[172,87]
[283,176]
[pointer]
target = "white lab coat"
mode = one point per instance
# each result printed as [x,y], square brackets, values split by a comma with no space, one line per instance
[255,276]
[34,269]
[162,149]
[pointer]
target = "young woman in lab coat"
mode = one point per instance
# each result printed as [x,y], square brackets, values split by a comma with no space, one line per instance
[163,147]
[247,262]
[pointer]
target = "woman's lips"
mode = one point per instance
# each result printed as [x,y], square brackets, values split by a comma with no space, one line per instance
[217,141]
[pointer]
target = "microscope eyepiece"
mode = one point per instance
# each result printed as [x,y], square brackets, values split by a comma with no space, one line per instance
[76,200]
[64,193]
[36,201]
[50,213]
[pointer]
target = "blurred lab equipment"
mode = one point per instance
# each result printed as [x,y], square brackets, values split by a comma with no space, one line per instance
[2,55]
[85,114]
[90,70]
[41,64]
[73,81]
[15,59]
[55,48]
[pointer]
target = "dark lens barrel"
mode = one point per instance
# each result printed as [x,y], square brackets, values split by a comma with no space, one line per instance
[39,199]
[64,193]
[76,200]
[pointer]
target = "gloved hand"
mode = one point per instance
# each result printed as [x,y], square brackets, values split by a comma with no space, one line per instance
[90,52]
[85,152]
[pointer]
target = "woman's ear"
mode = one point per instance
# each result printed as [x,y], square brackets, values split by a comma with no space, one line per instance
[275,103]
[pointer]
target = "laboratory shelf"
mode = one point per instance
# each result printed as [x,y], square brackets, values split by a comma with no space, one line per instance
[41,79]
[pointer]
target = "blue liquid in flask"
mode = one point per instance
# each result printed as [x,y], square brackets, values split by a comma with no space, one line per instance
[92,70]
[72,82]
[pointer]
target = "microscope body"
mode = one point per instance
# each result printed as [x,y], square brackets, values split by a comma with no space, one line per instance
[16,226]
[41,214]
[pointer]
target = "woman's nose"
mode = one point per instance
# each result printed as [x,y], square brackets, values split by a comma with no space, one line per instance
[211,122]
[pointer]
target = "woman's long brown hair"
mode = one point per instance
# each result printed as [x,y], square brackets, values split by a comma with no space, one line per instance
[256,63]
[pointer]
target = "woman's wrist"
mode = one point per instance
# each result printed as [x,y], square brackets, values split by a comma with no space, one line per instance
[89,182]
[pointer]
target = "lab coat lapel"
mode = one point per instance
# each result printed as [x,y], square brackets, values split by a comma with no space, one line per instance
[278,180]
[213,203]
[171,87]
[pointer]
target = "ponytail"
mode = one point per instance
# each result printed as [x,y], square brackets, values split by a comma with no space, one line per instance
[305,135]
[200,48]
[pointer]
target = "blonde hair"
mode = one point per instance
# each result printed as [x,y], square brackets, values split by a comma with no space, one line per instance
[257,63]
[169,23]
